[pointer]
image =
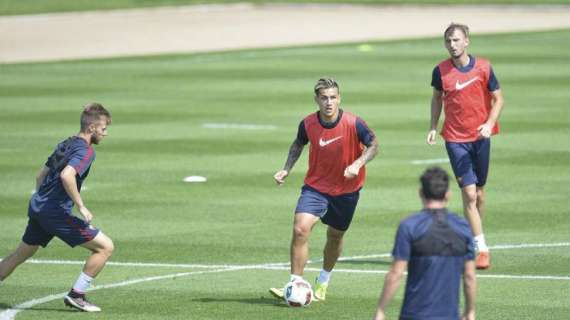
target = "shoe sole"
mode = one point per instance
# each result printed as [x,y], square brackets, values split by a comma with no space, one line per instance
[275,294]
[71,304]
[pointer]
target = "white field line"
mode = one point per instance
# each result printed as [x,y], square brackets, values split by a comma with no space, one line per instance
[239,126]
[430,161]
[493,276]
[10,314]
[217,266]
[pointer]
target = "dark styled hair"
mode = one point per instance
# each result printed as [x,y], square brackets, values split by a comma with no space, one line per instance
[325,83]
[435,183]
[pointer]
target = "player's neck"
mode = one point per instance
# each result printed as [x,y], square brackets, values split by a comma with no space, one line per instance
[330,119]
[461,61]
[435,204]
[85,137]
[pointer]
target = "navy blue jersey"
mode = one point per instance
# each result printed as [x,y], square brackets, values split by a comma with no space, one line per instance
[436,82]
[436,245]
[365,135]
[51,198]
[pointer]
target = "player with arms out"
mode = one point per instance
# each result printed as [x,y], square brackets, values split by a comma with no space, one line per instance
[340,145]
[49,213]
[467,88]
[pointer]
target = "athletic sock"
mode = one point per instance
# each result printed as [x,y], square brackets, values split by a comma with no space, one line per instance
[324,276]
[82,283]
[295,277]
[480,243]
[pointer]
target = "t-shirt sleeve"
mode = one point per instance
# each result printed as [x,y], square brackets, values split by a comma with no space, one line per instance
[302,133]
[493,84]
[436,79]
[403,244]
[365,134]
[80,158]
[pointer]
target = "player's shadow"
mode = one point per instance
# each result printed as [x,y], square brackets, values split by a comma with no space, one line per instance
[259,301]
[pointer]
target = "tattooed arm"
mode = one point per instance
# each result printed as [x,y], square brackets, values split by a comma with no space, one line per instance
[294,153]
[369,153]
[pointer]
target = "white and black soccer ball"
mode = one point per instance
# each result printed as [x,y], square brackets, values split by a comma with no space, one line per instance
[298,293]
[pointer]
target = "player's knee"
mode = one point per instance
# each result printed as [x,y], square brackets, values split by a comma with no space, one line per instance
[109,247]
[480,195]
[470,196]
[301,231]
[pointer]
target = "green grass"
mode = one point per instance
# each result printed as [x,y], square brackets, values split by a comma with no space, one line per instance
[239,216]
[16,7]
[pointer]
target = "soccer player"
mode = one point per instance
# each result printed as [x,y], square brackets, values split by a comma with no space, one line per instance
[340,145]
[466,85]
[436,247]
[49,214]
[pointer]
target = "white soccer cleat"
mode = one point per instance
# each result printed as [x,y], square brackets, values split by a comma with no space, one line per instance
[78,301]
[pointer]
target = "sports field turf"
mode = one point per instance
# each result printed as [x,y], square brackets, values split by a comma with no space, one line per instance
[160,106]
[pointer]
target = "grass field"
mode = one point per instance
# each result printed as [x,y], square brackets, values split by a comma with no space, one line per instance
[239,217]
[14,7]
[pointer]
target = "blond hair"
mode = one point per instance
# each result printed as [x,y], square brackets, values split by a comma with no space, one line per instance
[456,26]
[92,112]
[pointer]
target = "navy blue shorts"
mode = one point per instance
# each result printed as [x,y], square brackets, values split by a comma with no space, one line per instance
[335,211]
[43,227]
[470,161]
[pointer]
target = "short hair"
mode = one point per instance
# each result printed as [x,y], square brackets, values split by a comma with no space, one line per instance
[92,112]
[435,183]
[456,26]
[325,83]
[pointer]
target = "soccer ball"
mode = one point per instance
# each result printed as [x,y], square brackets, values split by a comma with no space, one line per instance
[298,293]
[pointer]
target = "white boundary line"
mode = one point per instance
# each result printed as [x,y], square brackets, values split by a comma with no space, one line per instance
[217,266]
[239,126]
[10,314]
[430,161]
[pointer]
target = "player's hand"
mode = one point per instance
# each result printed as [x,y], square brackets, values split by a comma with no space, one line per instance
[379,315]
[351,171]
[468,316]
[87,215]
[431,137]
[485,130]
[280,176]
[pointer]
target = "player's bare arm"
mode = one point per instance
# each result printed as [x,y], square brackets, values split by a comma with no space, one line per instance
[369,153]
[436,106]
[391,285]
[41,176]
[497,102]
[469,290]
[294,153]
[70,184]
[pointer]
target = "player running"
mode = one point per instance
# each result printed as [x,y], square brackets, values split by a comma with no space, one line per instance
[467,87]
[340,145]
[49,214]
